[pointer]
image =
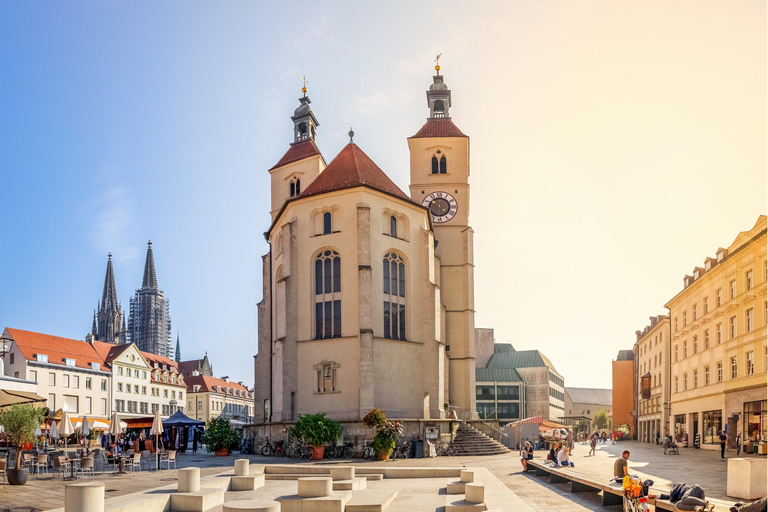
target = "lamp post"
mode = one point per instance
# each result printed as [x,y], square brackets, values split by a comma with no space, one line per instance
[6,342]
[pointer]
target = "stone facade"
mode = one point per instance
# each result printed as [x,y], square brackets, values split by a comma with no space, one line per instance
[651,351]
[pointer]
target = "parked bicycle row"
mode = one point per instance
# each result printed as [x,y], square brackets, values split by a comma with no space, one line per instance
[298,449]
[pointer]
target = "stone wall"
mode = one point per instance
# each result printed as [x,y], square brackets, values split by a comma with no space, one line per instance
[353,432]
[483,346]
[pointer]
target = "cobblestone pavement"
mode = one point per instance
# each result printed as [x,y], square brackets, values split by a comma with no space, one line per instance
[699,466]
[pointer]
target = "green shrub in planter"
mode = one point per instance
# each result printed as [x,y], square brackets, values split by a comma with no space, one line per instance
[316,429]
[20,422]
[387,432]
[219,434]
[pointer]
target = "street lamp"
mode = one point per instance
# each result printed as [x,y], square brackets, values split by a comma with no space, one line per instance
[5,346]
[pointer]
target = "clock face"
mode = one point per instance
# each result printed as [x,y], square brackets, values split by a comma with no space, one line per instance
[441,205]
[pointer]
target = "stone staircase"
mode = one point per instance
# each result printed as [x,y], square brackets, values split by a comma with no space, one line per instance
[469,441]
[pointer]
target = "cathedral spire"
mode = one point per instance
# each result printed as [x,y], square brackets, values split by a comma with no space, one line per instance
[93,329]
[109,295]
[150,277]
[177,355]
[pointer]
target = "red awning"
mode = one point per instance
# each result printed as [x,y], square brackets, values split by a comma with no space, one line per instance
[535,419]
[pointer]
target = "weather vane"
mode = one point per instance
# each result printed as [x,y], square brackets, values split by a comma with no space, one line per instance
[304,86]
[437,63]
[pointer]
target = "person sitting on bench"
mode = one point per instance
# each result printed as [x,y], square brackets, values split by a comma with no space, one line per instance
[620,469]
[686,497]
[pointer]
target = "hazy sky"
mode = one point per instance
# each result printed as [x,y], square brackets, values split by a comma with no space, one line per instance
[614,146]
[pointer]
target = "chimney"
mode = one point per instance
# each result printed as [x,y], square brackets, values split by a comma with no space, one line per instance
[225,378]
[89,338]
[195,373]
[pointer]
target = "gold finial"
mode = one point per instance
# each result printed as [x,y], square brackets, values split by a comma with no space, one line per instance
[351,135]
[304,86]
[437,63]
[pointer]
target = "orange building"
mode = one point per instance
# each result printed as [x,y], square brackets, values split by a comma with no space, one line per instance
[623,369]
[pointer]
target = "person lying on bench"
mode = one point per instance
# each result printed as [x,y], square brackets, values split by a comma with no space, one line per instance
[686,497]
[755,506]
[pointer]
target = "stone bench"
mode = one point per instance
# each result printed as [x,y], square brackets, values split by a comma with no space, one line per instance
[370,501]
[612,495]
[251,506]
[296,476]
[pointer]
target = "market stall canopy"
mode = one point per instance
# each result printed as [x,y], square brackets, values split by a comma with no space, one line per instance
[10,397]
[179,419]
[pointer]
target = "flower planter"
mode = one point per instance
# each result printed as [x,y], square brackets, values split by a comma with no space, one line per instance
[382,456]
[318,452]
[17,476]
[222,452]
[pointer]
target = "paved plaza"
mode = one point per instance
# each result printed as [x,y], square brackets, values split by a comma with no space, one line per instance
[698,466]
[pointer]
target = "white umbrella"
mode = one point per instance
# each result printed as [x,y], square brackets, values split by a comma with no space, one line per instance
[54,430]
[157,429]
[86,429]
[115,428]
[66,428]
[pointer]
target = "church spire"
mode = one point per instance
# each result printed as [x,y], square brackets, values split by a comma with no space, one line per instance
[109,295]
[304,121]
[94,328]
[150,277]
[438,95]
[177,355]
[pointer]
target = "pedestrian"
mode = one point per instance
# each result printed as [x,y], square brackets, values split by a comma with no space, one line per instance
[723,437]
[592,445]
[666,444]
[569,441]
[194,441]
[738,443]
[658,437]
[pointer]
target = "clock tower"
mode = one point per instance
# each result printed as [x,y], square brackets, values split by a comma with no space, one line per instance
[440,181]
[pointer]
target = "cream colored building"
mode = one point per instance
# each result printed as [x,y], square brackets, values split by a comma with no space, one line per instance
[718,344]
[142,383]
[368,292]
[69,373]
[209,397]
[652,359]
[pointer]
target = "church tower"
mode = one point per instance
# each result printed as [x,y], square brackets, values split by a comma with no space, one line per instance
[440,182]
[149,324]
[302,163]
[106,320]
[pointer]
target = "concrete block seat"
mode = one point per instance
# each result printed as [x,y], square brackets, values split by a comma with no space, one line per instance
[358,483]
[296,476]
[246,483]
[455,487]
[464,506]
[251,506]
[336,502]
[196,501]
[370,500]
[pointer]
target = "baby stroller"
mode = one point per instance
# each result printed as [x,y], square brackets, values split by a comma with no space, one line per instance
[673,448]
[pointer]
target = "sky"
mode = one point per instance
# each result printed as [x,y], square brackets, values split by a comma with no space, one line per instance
[614,146]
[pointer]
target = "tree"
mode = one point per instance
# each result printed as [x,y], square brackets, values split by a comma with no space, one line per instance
[20,422]
[600,420]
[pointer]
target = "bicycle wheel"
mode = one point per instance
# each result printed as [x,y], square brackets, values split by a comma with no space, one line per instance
[348,452]
[331,452]
[266,450]
[308,452]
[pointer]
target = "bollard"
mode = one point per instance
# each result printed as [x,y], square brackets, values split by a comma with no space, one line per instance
[84,497]
[474,493]
[315,487]
[467,476]
[242,467]
[189,480]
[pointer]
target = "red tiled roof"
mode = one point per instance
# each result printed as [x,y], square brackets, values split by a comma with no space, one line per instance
[207,383]
[298,151]
[438,127]
[56,348]
[160,360]
[352,168]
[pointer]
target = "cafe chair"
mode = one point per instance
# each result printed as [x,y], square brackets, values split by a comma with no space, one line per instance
[42,463]
[168,459]
[60,465]
[3,462]
[135,462]
[86,466]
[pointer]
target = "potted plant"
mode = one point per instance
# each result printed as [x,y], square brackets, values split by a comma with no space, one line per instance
[316,430]
[219,437]
[387,433]
[20,422]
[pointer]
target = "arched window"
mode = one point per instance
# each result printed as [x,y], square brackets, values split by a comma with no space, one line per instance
[434,165]
[302,131]
[443,166]
[439,107]
[295,187]
[326,223]
[327,295]
[394,296]
[393,226]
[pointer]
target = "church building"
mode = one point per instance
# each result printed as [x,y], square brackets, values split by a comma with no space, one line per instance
[368,291]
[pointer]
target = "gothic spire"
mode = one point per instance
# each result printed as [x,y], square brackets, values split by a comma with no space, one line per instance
[177,355]
[93,329]
[109,296]
[150,277]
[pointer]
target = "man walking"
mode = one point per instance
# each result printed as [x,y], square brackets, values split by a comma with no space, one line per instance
[723,438]
[738,444]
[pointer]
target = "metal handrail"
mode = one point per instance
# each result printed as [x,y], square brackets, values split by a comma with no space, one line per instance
[463,414]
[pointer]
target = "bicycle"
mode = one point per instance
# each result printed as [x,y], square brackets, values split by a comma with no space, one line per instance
[402,450]
[303,451]
[346,451]
[273,449]
[635,503]
[368,452]
[445,449]
[291,448]
[247,446]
